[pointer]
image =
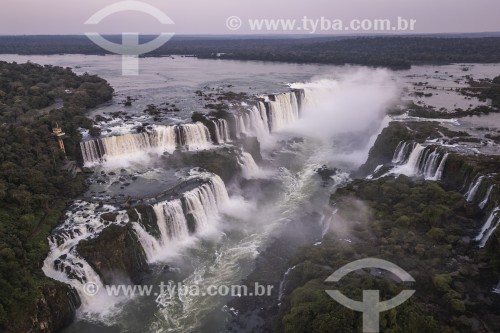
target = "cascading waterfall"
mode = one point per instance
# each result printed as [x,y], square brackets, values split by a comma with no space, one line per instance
[275,112]
[377,169]
[160,139]
[221,131]
[471,193]
[253,121]
[283,282]
[172,217]
[439,171]
[488,227]
[401,152]
[193,136]
[63,263]
[283,109]
[411,167]
[263,115]
[92,151]
[256,123]
[171,220]
[424,161]
[203,202]
[240,125]
[248,166]
[483,202]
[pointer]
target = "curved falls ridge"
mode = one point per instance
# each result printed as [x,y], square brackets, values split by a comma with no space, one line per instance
[211,233]
[179,221]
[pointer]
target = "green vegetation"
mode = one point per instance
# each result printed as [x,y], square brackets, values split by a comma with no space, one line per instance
[485,89]
[426,112]
[392,52]
[418,226]
[33,188]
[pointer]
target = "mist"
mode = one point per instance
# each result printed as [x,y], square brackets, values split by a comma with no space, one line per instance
[355,102]
[348,109]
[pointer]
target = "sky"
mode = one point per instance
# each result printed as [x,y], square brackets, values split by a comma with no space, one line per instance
[35,17]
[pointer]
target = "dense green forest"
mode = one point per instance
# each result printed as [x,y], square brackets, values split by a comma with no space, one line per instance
[393,52]
[417,225]
[33,188]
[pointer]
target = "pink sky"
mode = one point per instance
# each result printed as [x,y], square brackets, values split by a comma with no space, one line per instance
[209,16]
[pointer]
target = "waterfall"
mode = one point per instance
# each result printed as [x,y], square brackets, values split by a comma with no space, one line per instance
[162,138]
[377,169]
[483,202]
[63,263]
[177,219]
[91,151]
[151,246]
[401,152]
[159,140]
[496,289]
[439,171]
[283,283]
[263,115]
[252,121]
[248,166]
[171,220]
[202,203]
[471,193]
[488,227]
[257,124]
[283,109]
[269,115]
[411,167]
[428,162]
[193,136]
[221,131]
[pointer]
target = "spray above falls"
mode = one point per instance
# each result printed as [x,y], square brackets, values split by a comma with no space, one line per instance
[354,102]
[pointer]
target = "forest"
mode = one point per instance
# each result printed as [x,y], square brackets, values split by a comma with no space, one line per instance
[34,189]
[418,225]
[389,51]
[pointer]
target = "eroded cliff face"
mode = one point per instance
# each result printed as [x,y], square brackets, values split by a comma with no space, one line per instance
[116,255]
[54,310]
[383,149]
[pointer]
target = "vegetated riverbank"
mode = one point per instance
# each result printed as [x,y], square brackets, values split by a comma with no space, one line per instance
[35,188]
[429,228]
[399,52]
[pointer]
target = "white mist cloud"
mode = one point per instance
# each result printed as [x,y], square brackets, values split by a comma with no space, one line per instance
[349,109]
[356,102]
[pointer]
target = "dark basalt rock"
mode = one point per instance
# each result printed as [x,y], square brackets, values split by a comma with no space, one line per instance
[115,253]
[223,161]
[110,217]
[54,310]
[325,173]
[251,145]
[147,218]
[191,223]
